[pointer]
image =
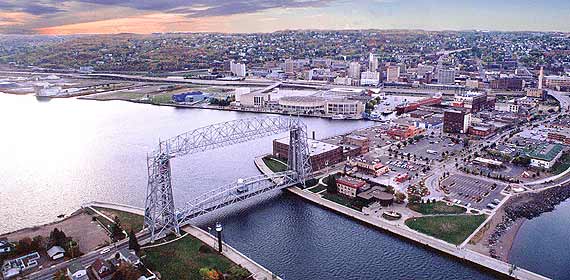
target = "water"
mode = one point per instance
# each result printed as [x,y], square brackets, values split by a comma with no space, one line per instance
[60,154]
[542,244]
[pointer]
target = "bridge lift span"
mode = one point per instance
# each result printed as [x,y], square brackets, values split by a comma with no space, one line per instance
[161,215]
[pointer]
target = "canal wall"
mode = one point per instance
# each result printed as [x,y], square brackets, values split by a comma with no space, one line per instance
[502,269]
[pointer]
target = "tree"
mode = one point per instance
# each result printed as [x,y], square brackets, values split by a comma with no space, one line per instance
[57,238]
[126,272]
[133,241]
[237,273]
[24,246]
[331,184]
[209,273]
[400,197]
[60,275]
[414,198]
[116,229]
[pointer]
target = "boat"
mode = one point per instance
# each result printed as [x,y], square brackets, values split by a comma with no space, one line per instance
[387,111]
[338,117]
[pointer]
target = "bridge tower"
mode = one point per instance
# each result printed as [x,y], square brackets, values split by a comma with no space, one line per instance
[160,214]
[298,157]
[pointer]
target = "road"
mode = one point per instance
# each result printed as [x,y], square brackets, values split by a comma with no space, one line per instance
[87,259]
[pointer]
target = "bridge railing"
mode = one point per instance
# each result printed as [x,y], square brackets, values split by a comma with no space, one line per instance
[235,192]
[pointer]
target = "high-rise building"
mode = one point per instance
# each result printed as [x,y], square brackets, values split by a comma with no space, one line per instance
[392,74]
[369,78]
[354,70]
[372,62]
[456,121]
[446,76]
[237,69]
[289,66]
[541,77]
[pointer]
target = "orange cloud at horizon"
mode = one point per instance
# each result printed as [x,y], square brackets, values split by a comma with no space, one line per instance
[13,18]
[145,24]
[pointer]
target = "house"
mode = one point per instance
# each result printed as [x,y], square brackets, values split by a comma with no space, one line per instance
[76,271]
[13,267]
[5,246]
[56,253]
[129,256]
[101,269]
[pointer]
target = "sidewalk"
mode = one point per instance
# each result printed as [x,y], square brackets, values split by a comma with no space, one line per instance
[259,272]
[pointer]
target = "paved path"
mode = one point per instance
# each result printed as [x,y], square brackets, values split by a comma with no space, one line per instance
[259,272]
[444,247]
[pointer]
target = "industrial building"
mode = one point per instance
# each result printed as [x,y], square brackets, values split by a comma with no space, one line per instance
[321,154]
[545,155]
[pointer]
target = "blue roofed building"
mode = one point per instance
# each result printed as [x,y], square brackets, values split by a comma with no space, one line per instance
[189,97]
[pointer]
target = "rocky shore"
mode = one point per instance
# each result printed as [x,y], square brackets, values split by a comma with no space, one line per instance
[526,206]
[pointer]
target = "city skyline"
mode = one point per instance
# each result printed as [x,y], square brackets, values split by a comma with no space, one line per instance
[240,16]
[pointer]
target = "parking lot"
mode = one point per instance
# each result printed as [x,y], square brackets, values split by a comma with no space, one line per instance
[432,148]
[475,191]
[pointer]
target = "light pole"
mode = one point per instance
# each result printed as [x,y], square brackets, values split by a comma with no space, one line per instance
[219,231]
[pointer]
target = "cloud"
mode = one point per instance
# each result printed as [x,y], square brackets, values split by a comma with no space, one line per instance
[53,13]
[33,8]
[205,8]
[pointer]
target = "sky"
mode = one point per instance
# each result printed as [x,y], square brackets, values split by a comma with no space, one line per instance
[61,17]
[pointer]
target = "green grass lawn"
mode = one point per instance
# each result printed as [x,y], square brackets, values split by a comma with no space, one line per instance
[183,259]
[317,188]
[436,208]
[343,200]
[452,229]
[562,164]
[128,220]
[274,164]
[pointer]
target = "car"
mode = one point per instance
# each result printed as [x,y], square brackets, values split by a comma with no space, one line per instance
[496,201]
[105,251]
[491,206]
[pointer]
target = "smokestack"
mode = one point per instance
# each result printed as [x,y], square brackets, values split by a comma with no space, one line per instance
[540,77]
[314,135]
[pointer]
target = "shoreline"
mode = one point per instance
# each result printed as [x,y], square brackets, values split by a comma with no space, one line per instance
[499,240]
[486,263]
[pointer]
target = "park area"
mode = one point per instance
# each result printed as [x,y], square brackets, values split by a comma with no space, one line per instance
[189,258]
[453,229]
[128,220]
[436,208]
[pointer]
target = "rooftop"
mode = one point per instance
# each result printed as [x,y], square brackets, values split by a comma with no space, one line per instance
[315,147]
[547,152]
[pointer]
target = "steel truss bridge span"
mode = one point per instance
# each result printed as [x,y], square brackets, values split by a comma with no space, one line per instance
[162,217]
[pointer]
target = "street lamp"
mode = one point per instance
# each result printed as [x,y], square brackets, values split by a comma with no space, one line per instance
[219,231]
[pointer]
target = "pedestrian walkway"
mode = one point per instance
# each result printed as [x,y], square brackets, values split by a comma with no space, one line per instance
[259,272]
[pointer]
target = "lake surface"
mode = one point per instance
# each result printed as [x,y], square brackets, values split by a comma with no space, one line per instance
[57,155]
[542,244]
